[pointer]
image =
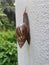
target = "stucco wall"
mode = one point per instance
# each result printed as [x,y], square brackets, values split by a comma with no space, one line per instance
[38,51]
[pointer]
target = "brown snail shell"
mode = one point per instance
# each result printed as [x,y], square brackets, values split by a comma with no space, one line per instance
[22,33]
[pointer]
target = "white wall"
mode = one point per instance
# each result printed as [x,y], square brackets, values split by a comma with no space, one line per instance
[23,53]
[38,51]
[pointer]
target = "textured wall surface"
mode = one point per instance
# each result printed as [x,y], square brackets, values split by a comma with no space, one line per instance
[39,25]
[38,51]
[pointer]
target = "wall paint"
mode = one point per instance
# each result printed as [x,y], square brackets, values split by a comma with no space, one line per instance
[38,51]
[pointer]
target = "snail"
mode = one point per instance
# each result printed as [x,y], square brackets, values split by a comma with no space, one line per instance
[23,31]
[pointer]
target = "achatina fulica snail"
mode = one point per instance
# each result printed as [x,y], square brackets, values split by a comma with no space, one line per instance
[23,31]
